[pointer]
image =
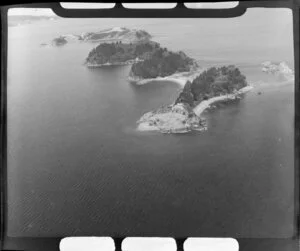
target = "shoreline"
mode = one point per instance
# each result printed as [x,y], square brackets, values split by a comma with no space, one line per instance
[202,106]
[128,62]
[144,126]
[180,78]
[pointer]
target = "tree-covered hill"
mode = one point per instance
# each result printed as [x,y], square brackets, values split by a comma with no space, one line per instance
[161,63]
[119,52]
[212,82]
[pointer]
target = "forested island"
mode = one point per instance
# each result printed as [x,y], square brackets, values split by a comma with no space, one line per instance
[211,83]
[211,86]
[59,41]
[161,63]
[149,60]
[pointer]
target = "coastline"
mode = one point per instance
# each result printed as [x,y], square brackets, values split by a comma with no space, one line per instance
[128,62]
[172,124]
[179,78]
[202,106]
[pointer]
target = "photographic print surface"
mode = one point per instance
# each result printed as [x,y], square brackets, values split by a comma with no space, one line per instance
[154,127]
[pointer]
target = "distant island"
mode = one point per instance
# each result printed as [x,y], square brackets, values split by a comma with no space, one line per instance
[115,34]
[107,54]
[111,35]
[211,86]
[60,41]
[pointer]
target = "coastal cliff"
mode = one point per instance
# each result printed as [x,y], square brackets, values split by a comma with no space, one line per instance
[211,86]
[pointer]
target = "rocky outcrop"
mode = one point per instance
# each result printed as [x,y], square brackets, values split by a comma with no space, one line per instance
[177,118]
[281,70]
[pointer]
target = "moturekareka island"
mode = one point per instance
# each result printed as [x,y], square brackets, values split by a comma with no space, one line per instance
[151,62]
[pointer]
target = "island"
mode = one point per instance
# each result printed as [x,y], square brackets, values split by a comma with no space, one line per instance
[111,35]
[115,34]
[211,86]
[118,53]
[60,41]
[163,64]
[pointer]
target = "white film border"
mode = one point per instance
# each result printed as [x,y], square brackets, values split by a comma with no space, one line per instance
[147,244]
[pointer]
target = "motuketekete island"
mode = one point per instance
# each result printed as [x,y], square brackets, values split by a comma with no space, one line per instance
[111,35]
[151,63]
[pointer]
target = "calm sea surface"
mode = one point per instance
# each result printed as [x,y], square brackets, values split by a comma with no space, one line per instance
[77,165]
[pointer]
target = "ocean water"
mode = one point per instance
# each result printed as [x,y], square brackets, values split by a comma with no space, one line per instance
[77,165]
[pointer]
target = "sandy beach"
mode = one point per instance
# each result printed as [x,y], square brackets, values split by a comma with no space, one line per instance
[200,108]
[179,78]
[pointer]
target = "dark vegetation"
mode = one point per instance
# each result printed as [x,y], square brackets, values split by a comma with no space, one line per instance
[212,82]
[154,60]
[59,41]
[162,63]
[120,52]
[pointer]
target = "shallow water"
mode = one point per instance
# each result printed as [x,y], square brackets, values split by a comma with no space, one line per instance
[77,166]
